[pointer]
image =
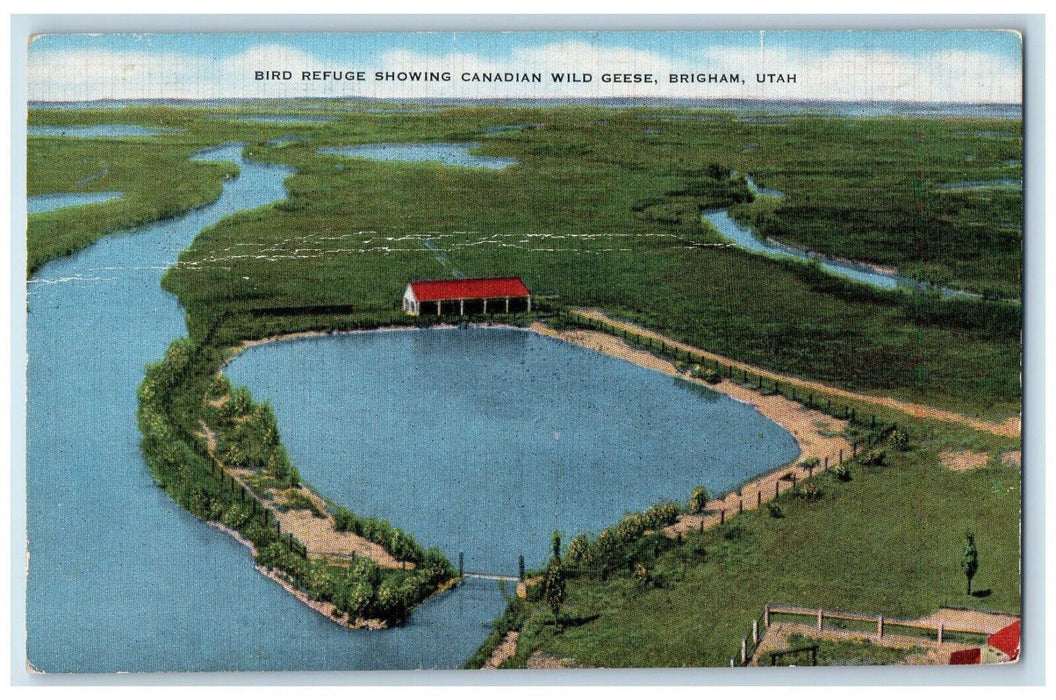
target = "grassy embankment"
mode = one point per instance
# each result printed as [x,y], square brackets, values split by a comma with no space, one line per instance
[179,399]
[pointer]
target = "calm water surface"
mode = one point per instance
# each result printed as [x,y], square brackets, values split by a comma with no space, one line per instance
[96,130]
[40,203]
[486,440]
[457,154]
[120,577]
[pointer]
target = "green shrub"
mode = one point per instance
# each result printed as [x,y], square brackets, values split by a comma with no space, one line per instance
[900,439]
[347,521]
[698,500]
[809,492]
[298,500]
[641,575]
[579,550]
[842,472]
[236,516]
[873,458]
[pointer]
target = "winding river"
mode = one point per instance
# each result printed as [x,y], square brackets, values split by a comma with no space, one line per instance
[746,237]
[120,578]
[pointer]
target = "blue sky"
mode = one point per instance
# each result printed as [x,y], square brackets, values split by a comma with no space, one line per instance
[960,66]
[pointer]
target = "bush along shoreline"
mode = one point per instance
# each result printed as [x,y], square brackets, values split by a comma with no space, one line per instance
[219,455]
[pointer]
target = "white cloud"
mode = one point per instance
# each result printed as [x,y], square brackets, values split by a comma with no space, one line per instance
[846,74]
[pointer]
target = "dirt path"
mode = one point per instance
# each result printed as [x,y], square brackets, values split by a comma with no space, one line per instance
[1007,428]
[506,648]
[970,619]
[318,534]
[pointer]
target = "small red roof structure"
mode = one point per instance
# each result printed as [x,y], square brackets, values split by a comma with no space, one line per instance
[482,295]
[1006,640]
[481,288]
[966,656]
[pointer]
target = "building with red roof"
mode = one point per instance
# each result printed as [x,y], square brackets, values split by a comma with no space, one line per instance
[1006,641]
[481,295]
[1001,647]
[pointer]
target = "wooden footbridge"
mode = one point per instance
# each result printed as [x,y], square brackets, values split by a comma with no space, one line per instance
[490,577]
[487,576]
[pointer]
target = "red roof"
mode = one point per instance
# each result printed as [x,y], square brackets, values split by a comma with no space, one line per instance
[968,656]
[1006,640]
[483,288]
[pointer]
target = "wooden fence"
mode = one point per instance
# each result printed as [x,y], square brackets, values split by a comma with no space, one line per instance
[872,625]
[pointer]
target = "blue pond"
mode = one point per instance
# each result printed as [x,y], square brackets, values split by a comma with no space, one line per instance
[96,131]
[486,440]
[457,154]
[40,203]
[120,577]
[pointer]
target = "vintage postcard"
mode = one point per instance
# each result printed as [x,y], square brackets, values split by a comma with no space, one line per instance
[524,350]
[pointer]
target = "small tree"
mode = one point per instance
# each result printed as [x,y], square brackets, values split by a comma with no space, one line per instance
[970,559]
[698,500]
[554,581]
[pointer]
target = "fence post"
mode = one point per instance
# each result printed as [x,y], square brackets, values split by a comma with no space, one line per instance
[740,506]
[841,457]
[722,518]
[758,498]
[821,622]
[744,650]
[520,567]
[940,633]
[755,632]
[777,487]
[880,626]
[766,615]
[461,570]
